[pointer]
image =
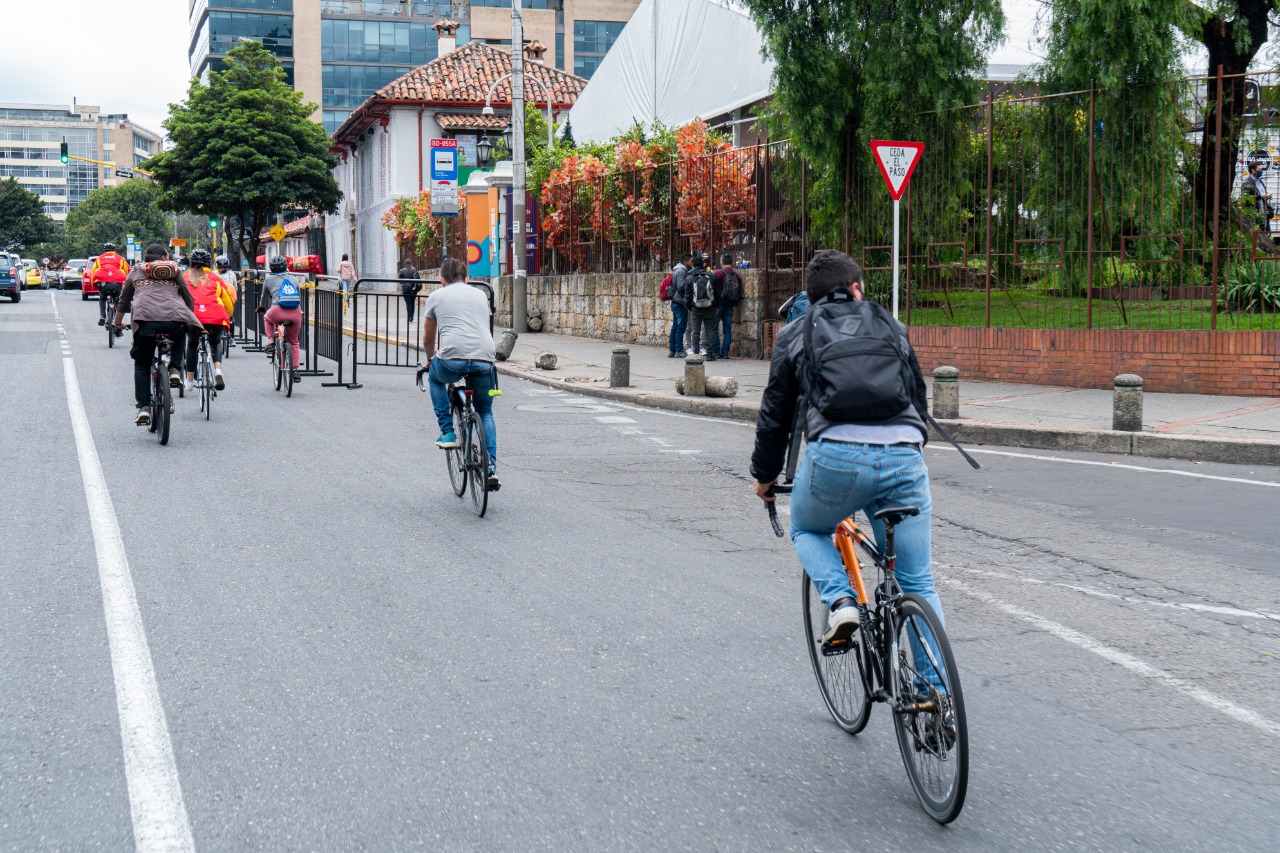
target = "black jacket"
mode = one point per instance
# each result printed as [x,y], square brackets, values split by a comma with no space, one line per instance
[783,393]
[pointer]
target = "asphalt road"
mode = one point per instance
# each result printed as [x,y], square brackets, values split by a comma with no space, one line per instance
[347,658]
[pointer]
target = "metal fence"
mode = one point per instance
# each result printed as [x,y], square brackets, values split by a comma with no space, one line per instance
[1085,209]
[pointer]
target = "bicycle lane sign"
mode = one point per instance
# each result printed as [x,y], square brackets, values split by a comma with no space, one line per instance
[897,162]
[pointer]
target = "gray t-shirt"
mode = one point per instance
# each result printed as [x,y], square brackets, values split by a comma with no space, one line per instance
[461,313]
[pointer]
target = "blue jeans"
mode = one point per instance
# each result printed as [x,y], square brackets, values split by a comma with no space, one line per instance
[835,480]
[447,370]
[679,321]
[723,321]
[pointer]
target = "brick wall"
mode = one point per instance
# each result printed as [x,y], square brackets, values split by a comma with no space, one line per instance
[1192,362]
[624,307]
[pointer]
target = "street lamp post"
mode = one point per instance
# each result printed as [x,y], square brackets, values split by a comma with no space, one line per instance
[488,106]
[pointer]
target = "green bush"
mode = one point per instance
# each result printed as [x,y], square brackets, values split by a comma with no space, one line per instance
[1252,288]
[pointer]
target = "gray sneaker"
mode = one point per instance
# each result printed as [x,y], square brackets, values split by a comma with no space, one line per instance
[842,622]
[143,418]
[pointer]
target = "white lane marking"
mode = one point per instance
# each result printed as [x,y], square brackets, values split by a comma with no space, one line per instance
[651,411]
[160,819]
[1097,593]
[657,440]
[615,419]
[1142,468]
[630,430]
[685,452]
[1128,661]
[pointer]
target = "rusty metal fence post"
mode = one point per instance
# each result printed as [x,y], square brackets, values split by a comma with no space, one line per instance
[1088,223]
[991,129]
[1217,200]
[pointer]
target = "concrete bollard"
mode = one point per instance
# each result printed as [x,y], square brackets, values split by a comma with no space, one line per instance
[545,361]
[946,393]
[695,377]
[506,344]
[1126,411]
[620,368]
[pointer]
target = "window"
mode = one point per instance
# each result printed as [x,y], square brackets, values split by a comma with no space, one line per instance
[377,41]
[560,49]
[351,85]
[59,190]
[259,5]
[30,171]
[29,153]
[225,29]
[434,10]
[591,41]
[333,119]
[143,144]
[528,4]
[82,179]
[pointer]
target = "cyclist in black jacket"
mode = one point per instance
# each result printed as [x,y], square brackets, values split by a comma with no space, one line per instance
[846,466]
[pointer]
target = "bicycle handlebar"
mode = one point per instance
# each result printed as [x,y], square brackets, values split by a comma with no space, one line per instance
[772,506]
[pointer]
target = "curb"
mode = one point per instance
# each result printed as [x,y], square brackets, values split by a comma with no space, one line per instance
[1194,448]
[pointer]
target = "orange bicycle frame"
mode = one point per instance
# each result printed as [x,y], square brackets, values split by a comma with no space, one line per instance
[847,536]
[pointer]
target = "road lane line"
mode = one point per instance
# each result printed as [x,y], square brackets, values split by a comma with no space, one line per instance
[1123,659]
[160,819]
[1269,483]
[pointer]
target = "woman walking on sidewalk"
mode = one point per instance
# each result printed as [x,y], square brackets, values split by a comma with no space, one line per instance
[346,275]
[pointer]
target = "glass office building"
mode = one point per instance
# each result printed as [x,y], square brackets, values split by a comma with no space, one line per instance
[339,52]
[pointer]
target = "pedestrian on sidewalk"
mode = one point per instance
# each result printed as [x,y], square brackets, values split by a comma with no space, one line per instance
[346,274]
[411,287]
[728,292]
[679,308]
[702,308]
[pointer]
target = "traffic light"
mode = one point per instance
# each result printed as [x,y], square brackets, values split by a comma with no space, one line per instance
[63,155]
[213,222]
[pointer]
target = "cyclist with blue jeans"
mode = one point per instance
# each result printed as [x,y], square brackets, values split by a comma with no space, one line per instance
[457,316]
[846,466]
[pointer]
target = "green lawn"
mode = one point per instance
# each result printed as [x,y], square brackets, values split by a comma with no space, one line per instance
[1025,310]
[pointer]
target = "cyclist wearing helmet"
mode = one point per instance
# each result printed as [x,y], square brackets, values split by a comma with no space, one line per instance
[108,274]
[277,307]
[214,303]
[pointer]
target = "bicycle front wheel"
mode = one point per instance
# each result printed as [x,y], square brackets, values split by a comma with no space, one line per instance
[277,370]
[477,464]
[933,735]
[286,367]
[456,460]
[841,677]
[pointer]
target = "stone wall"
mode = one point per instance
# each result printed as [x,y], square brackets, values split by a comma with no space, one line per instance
[624,307]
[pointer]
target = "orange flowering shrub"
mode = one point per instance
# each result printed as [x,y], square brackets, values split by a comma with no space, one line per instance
[415,228]
[572,204]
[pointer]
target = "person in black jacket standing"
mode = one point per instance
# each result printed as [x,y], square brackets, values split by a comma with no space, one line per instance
[866,464]
[411,287]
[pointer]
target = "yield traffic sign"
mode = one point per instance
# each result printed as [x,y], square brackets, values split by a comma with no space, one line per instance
[897,160]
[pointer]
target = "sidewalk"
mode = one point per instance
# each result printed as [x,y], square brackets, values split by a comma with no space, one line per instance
[1187,426]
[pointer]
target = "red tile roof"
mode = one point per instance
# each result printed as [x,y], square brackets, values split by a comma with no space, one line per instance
[293,229]
[464,75]
[464,121]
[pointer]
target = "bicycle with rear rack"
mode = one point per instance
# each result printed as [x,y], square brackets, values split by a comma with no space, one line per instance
[204,375]
[468,462]
[161,395]
[899,655]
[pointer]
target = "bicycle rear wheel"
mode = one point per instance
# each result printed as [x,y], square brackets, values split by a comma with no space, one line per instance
[158,375]
[477,464]
[165,397]
[286,368]
[111,329]
[934,741]
[275,363]
[206,385]
[456,460]
[841,677]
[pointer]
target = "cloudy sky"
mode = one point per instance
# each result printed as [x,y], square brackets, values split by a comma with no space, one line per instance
[130,56]
[126,56]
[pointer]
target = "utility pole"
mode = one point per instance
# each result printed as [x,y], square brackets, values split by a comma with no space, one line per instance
[519,243]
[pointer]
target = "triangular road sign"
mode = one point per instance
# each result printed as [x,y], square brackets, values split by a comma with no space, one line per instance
[897,160]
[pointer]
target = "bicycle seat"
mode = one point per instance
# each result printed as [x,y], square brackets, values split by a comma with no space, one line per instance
[893,515]
[285,323]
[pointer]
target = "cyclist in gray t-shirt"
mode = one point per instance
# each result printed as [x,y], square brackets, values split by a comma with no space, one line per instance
[458,343]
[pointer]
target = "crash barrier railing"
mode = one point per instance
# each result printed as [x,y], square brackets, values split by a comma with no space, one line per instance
[328,307]
[382,334]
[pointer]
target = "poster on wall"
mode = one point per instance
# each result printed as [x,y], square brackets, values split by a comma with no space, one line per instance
[531,233]
[468,155]
[481,214]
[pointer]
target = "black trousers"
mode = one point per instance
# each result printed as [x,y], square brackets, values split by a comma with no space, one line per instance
[144,349]
[410,294]
[193,343]
[111,287]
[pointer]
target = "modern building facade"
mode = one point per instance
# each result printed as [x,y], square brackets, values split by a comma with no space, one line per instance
[31,136]
[339,52]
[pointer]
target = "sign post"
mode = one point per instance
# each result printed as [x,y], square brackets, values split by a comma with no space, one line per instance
[897,161]
[444,177]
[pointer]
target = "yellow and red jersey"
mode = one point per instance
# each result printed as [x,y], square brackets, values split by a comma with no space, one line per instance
[109,267]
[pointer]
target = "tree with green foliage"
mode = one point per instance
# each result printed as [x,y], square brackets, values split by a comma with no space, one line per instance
[244,146]
[23,222]
[109,213]
[878,66]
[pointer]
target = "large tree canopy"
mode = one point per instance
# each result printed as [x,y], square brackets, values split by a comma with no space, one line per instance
[109,213]
[244,146]
[23,222]
[848,71]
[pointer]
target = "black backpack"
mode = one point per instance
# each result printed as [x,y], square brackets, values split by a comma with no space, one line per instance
[855,369]
[699,282]
[731,291]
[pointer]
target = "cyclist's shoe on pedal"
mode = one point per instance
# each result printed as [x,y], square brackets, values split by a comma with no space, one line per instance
[842,622]
[175,379]
[189,385]
[494,482]
[119,332]
[143,418]
[218,382]
[447,441]
[297,377]
[102,321]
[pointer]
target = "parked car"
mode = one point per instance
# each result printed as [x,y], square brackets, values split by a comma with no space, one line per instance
[10,282]
[34,278]
[87,287]
[53,278]
[73,272]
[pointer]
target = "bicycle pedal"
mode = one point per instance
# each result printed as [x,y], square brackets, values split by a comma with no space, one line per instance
[840,647]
